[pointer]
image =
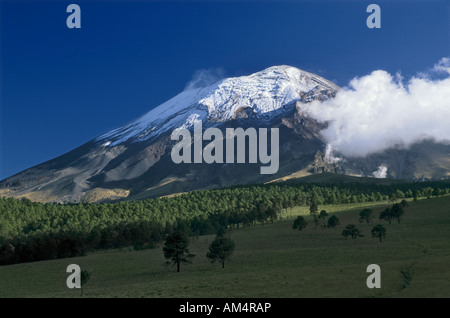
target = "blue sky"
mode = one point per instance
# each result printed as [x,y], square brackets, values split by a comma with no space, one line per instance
[62,87]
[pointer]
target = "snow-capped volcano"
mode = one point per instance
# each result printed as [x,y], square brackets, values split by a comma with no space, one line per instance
[134,162]
[264,94]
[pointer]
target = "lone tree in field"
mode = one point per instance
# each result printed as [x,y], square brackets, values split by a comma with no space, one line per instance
[378,231]
[351,230]
[220,249]
[315,221]
[386,215]
[323,216]
[397,211]
[176,249]
[333,221]
[299,223]
[84,278]
[365,214]
[314,211]
[313,208]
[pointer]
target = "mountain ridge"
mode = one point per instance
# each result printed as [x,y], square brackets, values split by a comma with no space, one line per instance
[263,92]
[133,161]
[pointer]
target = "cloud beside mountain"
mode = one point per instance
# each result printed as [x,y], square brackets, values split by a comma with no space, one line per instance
[379,111]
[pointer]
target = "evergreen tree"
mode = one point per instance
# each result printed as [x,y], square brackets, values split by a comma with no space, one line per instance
[365,214]
[352,231]
[220,249]
[386,215]
[176,249]
[397,211]
[299,223]
[323,215]
[333,221]
[378,231]
[313,211]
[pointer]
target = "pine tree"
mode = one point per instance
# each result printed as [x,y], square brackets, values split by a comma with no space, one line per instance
[220,249]
[176,249]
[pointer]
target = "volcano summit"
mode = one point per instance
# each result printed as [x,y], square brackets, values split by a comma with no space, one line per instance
[134,161]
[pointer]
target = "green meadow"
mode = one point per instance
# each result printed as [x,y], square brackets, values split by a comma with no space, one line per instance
[270,260]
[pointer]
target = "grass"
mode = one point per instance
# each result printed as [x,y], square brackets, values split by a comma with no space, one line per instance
[270,260]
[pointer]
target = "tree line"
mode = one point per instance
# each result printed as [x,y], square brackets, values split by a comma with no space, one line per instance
[31,231]
[396,211]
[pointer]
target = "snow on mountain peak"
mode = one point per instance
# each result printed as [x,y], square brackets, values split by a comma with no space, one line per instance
[262,92]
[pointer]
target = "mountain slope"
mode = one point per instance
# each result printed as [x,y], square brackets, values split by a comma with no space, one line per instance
[262,95]
[134,161]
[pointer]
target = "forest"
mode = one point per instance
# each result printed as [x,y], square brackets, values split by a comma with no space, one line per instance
[31,231]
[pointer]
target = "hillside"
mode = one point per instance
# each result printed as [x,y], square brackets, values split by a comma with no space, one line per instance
[270,260]
[134,161]
[141,159]
[334,178]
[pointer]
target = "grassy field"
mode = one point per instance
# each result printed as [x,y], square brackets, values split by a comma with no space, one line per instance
[270,260]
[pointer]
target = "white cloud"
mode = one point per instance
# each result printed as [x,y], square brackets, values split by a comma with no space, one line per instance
[329,157]
[443,65]
[440,69]
[377,112]
[381,172]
